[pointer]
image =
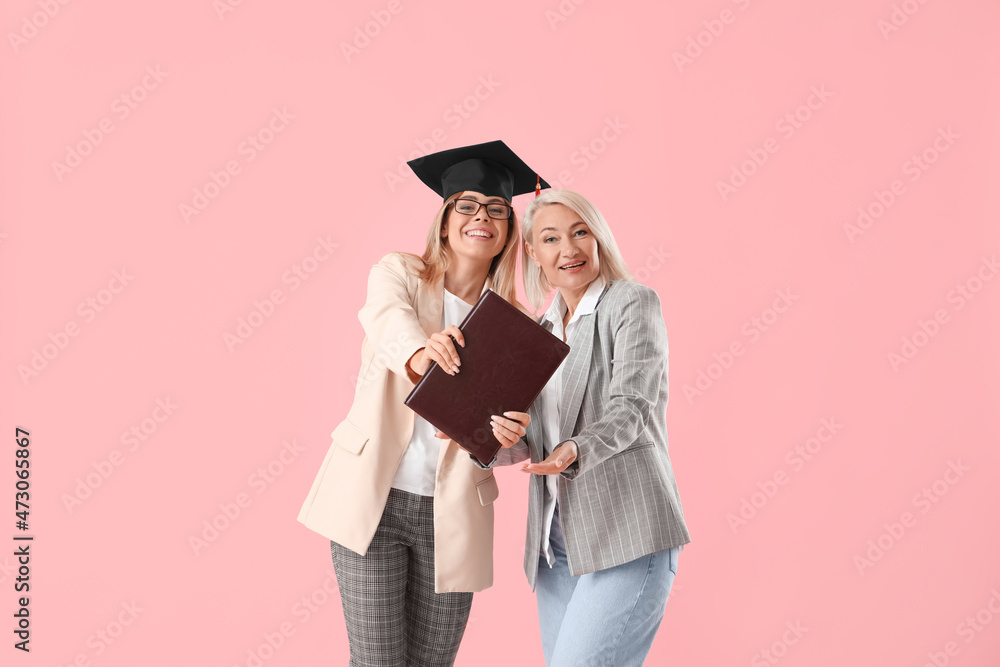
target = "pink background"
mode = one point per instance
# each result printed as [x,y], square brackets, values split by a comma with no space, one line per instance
[841,546]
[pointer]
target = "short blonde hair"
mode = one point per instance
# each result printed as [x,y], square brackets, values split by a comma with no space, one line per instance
[502,269]
[613,267]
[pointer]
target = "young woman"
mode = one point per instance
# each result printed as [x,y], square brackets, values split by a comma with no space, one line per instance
[604,517]
[410,515]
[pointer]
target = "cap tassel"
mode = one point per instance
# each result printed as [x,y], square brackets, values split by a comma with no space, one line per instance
[538,185]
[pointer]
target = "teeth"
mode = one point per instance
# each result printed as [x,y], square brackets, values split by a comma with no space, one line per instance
[477,232]
[573,266]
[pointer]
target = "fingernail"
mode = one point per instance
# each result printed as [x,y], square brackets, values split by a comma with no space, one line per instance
[558,462]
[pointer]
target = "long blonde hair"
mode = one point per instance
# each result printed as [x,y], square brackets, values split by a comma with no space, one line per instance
[502,269]
[613,266]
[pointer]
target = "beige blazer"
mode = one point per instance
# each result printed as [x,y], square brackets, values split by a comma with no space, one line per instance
[349,493]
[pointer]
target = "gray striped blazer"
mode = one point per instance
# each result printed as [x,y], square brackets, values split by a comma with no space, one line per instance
[618,501]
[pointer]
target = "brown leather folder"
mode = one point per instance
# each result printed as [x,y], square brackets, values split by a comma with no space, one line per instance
[506,361]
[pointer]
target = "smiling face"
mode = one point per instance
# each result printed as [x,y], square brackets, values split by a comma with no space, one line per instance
[564,248]
[475,236]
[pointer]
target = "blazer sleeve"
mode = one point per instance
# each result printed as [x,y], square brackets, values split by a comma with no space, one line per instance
[638,365]
[514,454]
[388,317]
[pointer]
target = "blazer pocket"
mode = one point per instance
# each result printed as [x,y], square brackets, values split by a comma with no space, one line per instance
[488,490]
[350,437]
[631,450]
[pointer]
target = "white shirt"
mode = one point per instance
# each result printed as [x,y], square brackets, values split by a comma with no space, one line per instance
[417,470]
[551,396]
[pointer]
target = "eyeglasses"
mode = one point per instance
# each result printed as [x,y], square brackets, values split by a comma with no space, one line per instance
[471,207]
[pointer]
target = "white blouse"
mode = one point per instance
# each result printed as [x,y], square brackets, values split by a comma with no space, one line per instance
[551,397]
[419,465]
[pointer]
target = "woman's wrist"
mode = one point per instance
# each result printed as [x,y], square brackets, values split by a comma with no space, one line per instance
[410,371]
[575,451]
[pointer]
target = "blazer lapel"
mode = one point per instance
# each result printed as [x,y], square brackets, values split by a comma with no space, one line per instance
[575,372]
[535,434]
[430,306]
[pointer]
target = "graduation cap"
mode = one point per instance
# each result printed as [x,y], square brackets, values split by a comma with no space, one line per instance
[491,169]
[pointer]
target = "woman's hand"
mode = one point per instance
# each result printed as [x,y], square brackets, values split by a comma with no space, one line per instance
[508,431]
[440,348]
[560,459]
[510,428]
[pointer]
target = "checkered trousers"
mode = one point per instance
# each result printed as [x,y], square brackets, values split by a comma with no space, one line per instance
[394,617]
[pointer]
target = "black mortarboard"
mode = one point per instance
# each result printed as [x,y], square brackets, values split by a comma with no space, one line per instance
[491,169]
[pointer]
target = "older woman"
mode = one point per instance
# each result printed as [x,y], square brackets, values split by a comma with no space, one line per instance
[604,517]
[410,516]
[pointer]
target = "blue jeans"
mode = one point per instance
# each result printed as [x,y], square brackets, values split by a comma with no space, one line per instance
[608,617]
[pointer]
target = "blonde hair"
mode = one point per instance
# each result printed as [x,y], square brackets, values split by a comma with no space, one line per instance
[613,267]
[502,269]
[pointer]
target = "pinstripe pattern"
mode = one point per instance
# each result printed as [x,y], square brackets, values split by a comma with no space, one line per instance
[393,615]
[619,501]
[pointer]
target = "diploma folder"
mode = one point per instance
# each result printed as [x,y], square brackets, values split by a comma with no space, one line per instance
[506,361]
